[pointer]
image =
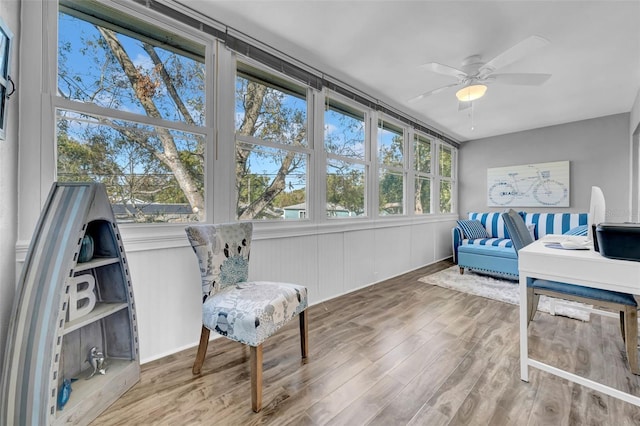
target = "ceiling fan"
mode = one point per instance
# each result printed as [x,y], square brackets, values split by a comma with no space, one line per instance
[475,75]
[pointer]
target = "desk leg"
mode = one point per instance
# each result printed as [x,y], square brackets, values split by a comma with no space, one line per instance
[524,348]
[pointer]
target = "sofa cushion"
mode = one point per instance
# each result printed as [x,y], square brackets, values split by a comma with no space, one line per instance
[494,251]
[554,223]
[472,229]
[495,242]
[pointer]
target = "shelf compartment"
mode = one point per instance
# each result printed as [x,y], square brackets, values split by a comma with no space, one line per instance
[100,311]
[105,389]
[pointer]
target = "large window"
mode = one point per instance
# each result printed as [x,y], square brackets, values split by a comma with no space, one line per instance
[131,114]
[344,144]
[133,109]
[272,150]
[391,168]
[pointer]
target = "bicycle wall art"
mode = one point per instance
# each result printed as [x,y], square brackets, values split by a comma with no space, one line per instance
[529,185]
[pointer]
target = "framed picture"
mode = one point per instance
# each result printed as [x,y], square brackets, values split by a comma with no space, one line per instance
[529,185]
[6,85]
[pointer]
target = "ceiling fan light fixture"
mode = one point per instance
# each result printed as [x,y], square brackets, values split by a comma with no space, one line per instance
[471,93]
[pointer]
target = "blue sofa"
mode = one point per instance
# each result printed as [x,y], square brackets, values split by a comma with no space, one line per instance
[481,243]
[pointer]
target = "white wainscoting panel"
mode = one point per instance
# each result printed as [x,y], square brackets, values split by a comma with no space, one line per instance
[291,259]
[167,288]
[359,262]
[392,251]
[331,266]
[442,239]
[422,245]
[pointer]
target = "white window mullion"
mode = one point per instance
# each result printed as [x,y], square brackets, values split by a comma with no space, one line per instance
[435,168]
[250,141]
[223,153]
[411,174]
[316,171]
[454,180]
[405,173]
[374,186]
[211,124]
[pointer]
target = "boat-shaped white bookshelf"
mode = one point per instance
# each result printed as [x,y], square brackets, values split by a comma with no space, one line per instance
[71,297]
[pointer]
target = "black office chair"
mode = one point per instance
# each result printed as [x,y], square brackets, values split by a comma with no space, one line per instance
[623,303]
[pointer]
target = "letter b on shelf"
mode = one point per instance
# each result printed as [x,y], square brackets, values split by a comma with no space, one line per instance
[81,302]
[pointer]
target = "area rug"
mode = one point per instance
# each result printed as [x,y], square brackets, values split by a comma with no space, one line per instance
[503,290]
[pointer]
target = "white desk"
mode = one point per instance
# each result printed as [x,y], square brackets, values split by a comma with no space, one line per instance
[583,267]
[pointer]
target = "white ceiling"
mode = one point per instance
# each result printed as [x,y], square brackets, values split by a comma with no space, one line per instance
[378,46]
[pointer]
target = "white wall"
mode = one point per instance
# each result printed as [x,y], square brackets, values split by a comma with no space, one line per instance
[10,12]
[598,151]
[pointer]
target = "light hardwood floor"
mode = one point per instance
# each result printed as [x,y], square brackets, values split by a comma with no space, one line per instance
[400,352]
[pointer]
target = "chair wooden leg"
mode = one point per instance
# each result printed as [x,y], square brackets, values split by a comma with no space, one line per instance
[256,378]
[202,350]
[624,338]
[304,334]
[631,337]
[532,304]
[461,270]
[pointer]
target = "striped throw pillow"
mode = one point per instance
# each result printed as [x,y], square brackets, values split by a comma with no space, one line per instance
[473,229]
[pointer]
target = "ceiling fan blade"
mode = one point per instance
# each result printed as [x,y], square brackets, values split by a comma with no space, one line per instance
[513,54]
[522,79]
[432,92]
[444,69]
[464,105]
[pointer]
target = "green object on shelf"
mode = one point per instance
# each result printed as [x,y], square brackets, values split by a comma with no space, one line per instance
[86,249]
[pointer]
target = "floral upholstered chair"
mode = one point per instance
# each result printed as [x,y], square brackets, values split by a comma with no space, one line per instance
[245,311]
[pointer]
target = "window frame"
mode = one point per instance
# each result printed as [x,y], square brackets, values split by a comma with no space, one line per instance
[366,161]
[452,180]
[308,151]
[414,173]
[169,26]
[403,169]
